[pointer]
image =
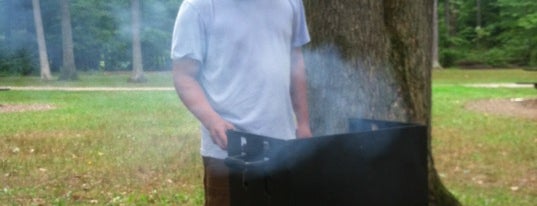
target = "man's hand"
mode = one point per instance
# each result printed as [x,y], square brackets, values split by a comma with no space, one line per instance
[303,131]
[217,128]
[299,95]
[189,90]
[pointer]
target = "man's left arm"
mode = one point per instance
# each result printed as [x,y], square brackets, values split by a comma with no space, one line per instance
[299,94]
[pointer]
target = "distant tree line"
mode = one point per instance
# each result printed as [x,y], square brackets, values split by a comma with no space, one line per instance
[493,33]
[102,34]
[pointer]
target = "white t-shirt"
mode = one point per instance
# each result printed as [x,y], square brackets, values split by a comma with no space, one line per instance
[244,47]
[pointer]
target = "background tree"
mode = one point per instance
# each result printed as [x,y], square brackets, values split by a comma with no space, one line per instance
[516,30]
[18,49]
[493,33]
[43,57]
[372,59]
[95,31]
[488,33]
[68,70]
[478,13]
[137,66]
[436,61]
[7,9]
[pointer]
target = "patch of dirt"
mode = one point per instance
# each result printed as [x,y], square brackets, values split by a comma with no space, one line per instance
[516,107]
[7,108]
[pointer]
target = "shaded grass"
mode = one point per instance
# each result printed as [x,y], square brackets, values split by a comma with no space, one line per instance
[142,147]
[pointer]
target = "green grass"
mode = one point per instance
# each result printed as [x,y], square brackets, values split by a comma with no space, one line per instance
[132,147]
[141,147]
[484,159]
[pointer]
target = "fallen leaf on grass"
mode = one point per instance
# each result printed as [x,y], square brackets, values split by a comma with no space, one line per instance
[38,201]
[16,150]
[86,187]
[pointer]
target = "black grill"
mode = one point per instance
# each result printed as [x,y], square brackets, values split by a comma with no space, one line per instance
[375,163]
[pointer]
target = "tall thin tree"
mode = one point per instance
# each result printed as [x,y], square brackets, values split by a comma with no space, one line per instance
[478,23]
[436,62]
[478,13]
[41,43]
[68,70]
[137,64]
[372,59]
[447,17]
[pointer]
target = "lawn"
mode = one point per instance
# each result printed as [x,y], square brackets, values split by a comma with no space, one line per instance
[126,147]
[484,158]
[141,147]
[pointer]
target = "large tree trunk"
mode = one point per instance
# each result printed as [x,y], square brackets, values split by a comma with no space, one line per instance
[68,70]
[41,43]
[372,59]
[137,65]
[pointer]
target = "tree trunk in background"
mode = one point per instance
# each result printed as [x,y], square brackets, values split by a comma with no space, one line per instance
[447,17]
[68,70]
[372,59]
[436,62]
[451,12]
[478,23]
[43,57]
[137,65]
[478,13]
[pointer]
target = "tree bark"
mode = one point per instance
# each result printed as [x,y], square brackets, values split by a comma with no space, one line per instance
[137,65]
[68,70]
[372,59]
[41,43]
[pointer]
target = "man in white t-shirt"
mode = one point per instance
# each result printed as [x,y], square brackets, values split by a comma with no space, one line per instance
[238,64]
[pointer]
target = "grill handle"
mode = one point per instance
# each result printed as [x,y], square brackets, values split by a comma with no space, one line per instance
[241,162]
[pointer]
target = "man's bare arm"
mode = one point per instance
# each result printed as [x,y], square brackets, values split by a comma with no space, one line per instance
[299,94]
[191,94]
